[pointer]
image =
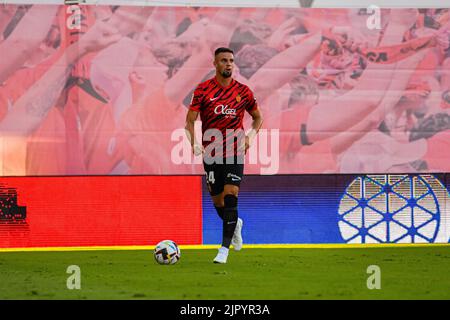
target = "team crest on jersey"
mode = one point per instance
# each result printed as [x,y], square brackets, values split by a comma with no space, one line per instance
[238,98]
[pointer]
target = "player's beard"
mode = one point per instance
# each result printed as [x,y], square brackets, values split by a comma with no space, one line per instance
[226,73]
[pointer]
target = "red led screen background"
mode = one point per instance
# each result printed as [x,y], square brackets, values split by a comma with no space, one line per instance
[101,211]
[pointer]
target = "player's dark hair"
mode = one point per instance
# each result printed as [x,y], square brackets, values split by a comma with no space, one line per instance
[222,50]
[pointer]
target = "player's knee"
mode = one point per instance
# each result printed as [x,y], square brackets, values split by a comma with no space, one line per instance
[231,190]
[218,200]
[219,203]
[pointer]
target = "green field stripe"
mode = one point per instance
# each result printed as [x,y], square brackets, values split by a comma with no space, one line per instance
[249,246]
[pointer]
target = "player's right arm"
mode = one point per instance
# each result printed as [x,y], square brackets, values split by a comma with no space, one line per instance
[191,116]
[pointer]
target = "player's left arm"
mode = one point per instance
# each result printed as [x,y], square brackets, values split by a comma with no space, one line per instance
[256,125]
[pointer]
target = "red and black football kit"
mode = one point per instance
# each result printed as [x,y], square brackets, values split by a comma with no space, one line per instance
[222,112]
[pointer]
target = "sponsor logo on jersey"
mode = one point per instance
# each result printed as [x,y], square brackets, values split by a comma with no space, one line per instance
[224,109]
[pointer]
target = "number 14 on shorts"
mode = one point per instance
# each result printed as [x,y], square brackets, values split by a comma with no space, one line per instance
[210,177]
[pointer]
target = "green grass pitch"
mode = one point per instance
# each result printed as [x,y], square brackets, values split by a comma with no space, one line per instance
[406,273]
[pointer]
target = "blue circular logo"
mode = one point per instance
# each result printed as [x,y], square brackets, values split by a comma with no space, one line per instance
[391,209]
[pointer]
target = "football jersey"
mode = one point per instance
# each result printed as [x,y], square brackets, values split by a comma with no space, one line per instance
[223,109]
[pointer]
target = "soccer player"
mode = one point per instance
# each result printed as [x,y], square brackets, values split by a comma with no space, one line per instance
[221,103]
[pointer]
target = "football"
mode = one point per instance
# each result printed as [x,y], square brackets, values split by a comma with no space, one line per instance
[167,252]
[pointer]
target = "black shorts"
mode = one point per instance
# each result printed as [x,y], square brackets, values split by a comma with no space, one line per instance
[218,175]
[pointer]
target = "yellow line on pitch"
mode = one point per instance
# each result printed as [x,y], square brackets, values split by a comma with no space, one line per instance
[249,246]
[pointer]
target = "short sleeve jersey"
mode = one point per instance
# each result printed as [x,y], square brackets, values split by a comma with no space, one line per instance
[223,108]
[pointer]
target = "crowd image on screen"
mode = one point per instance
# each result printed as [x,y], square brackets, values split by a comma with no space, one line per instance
[101,89]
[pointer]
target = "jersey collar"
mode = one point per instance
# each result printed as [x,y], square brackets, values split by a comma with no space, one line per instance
[218,83]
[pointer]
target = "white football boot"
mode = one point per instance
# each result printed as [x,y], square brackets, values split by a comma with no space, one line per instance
[221,256]
[237,241]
